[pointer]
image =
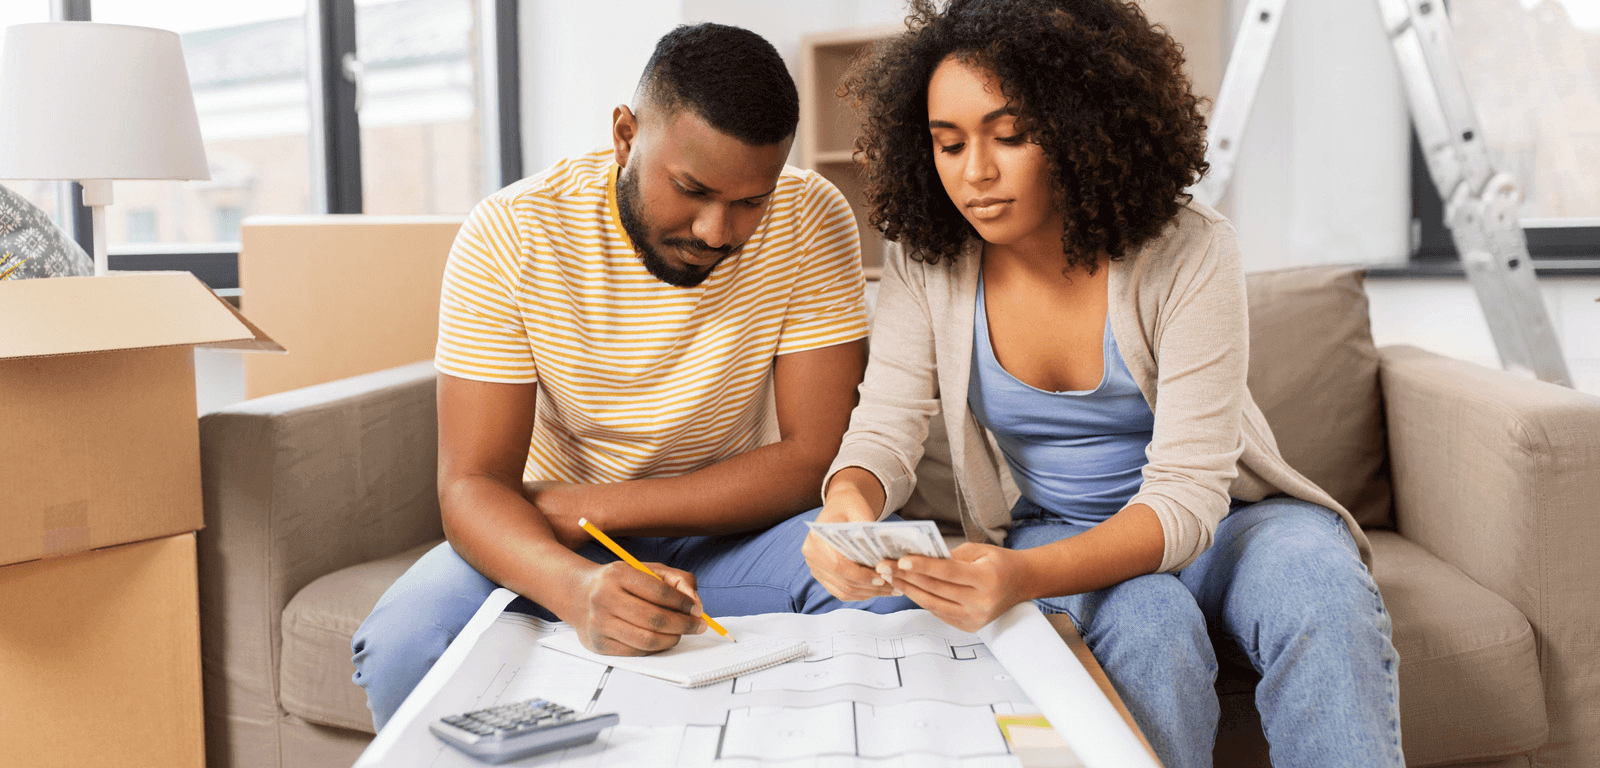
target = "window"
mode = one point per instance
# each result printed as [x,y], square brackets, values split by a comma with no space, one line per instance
[1532,68]
[275,88]
[420,130]
[247,70]
[227,223]
[141,226]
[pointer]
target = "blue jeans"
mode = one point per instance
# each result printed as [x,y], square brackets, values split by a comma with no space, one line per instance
[1283,581]
[428,606]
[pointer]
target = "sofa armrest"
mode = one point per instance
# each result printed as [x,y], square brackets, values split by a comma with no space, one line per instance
[1499,476]
[298,485]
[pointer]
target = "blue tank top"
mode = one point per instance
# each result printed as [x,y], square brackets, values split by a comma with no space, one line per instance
[1078,454]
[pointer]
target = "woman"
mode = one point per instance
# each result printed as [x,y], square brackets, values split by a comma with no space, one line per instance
[1081,324]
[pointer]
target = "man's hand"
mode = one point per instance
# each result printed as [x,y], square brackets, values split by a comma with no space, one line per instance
[621,611]
[842,577]
[972,588]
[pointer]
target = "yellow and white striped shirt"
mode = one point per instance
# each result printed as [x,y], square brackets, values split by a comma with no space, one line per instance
[638,378]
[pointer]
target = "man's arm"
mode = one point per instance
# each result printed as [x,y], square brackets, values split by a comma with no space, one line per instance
[484,429]
[814,392]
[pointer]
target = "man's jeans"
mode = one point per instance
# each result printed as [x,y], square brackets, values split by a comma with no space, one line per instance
[1282,580]
[432,602]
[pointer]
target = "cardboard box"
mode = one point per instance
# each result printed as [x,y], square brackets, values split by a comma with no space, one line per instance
[100,658]
[99,436]
[349,294]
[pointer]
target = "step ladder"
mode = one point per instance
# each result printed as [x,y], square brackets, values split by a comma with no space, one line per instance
[1480,204]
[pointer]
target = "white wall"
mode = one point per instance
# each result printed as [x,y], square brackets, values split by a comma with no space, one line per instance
[784,22]
[580,59]
[1443,316]
[1323,170]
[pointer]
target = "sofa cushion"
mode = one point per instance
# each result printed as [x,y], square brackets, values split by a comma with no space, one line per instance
[1470,689]
[314,672]
[1314,372]
[1469,668]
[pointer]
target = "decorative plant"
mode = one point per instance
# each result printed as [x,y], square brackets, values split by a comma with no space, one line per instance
[5,271]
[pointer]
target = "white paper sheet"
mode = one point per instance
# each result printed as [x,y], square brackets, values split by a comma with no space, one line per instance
[890,691]
[1063,690]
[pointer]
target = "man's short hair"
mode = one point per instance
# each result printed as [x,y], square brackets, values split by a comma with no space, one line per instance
[730,77]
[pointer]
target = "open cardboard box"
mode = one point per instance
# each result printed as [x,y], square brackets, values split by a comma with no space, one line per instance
[97,408]
[99,498]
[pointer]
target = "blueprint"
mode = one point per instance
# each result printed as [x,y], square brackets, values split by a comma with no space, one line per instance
[887,691]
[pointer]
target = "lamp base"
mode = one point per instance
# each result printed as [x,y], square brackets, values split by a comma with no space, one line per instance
[96,196]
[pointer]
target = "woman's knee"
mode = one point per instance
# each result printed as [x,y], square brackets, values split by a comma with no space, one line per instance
[1151,614]
[1286,528]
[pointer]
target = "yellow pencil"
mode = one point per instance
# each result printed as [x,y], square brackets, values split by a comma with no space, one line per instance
[600,536]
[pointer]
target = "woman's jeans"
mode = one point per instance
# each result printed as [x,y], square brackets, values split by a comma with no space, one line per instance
[432,602]
[1283,581]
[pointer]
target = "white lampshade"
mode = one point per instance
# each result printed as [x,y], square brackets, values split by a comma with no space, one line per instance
[80,100]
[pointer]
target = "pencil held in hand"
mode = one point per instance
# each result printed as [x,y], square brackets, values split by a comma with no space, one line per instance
[616,549]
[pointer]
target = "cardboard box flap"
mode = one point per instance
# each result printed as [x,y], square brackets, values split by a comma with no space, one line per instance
[259,341]
[129,310]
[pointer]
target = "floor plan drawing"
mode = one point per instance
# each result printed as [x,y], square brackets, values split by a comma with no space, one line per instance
[891,691]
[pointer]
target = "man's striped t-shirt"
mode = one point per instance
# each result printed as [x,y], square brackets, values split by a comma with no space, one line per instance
[638,378]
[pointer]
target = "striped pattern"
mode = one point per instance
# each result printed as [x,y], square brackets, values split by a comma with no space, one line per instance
[638,378]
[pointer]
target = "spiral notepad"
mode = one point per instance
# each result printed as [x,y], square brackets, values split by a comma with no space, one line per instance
[697,659]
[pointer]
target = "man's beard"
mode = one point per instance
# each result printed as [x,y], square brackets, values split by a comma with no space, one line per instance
[629,211]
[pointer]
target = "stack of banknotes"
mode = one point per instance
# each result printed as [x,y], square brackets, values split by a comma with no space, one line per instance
[869,543]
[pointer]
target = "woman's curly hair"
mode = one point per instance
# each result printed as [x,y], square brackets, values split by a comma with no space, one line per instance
[1095,84]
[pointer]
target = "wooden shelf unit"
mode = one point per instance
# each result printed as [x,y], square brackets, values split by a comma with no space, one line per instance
[828,127]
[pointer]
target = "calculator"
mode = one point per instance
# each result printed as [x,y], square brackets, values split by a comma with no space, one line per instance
[516,730]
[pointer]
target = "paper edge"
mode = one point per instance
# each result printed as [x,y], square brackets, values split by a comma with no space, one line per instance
[437,678]
[1061,687]
[1056,682]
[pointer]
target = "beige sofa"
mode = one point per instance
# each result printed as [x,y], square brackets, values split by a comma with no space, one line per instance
[1481,491]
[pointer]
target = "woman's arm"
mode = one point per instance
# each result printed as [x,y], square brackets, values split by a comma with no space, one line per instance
[875,469]
[1200,343]
[900,390]
[853,495]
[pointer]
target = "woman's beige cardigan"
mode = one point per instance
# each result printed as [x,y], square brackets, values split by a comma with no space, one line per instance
[1177,310]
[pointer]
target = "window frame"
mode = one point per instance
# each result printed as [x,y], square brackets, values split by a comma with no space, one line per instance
[1554,248]
[334,135]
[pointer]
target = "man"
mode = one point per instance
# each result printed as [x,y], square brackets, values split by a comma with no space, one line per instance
[607,332]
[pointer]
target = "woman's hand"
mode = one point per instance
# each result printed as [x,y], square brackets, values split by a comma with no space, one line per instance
[972,588]
[841,576]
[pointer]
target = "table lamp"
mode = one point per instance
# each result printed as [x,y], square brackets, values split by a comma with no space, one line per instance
[94,102]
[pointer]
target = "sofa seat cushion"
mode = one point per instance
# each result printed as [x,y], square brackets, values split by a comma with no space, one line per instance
[314,671]
[1469,675]
[1469,667]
